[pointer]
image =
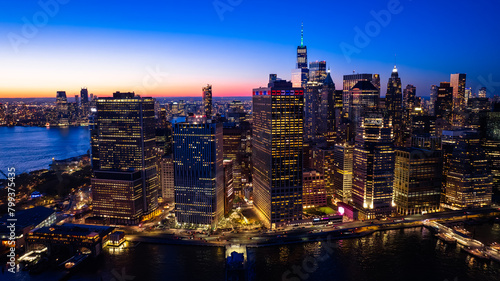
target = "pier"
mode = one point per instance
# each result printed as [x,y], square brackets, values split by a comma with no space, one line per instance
[461,236]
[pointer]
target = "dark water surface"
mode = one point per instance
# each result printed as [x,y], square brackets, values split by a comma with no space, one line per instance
[32,148]
[410,254]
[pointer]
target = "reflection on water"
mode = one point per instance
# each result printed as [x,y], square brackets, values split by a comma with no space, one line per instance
[411,254]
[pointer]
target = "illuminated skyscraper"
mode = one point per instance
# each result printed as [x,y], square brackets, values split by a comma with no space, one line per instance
[323,162]
[317,71]
[125,182]
[363,97]
[228,186]
[394,106]
[457,82]
[277,152]
[469,180]
[343,165]
[417,181]
[443,108]
[376,81]
[62,103]
[482,92]
[312,103]
[300,75]
[199,173]
[207,101]
[330,107]
[433,100]
[491,144]
[348,83]
[167,178]
[373,168]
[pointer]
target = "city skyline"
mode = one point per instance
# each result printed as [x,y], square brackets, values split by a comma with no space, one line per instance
[72,45]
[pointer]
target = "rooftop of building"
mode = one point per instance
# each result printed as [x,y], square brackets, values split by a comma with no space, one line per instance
[25,218]
[75,230]
[365,85]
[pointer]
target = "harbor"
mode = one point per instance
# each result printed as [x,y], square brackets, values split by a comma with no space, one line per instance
[461,236]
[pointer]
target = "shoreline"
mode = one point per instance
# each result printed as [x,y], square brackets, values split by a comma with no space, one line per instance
[336,234]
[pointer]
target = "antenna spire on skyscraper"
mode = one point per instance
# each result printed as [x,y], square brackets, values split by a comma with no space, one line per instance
[302,35]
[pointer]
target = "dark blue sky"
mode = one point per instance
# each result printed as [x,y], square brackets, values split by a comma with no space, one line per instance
[235,44]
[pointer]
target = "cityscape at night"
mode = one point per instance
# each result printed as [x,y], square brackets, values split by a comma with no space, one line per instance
[249,140]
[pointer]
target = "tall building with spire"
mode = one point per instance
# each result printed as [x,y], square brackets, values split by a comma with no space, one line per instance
[394,105]
[300,75]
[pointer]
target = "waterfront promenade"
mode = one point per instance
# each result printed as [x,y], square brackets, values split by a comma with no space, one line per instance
[260,238]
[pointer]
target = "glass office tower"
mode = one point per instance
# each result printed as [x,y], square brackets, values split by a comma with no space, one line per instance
[278,120]
[125,182]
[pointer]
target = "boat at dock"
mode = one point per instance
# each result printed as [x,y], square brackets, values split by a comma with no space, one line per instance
[74,261]
[493,254]
[477,253]
[461,230]
[495,246]
[446,237]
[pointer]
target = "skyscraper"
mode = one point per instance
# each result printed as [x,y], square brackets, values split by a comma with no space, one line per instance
[167,178]
[417,181]
[348,83]
[373,171]
[457,82]
[330,107]
[433,100]
[469,180]
[343,165]
[443,108]
[317,71]
[84,96]
[228,186]
[482,92]
[312,103]
[62,102]
[410,103]
[491,143]
[199,173]
[277,152]
[125,181]
[207,101]
[394,103]
[363,97]
[300,75]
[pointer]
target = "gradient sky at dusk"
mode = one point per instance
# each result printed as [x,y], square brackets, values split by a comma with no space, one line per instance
[174,48]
